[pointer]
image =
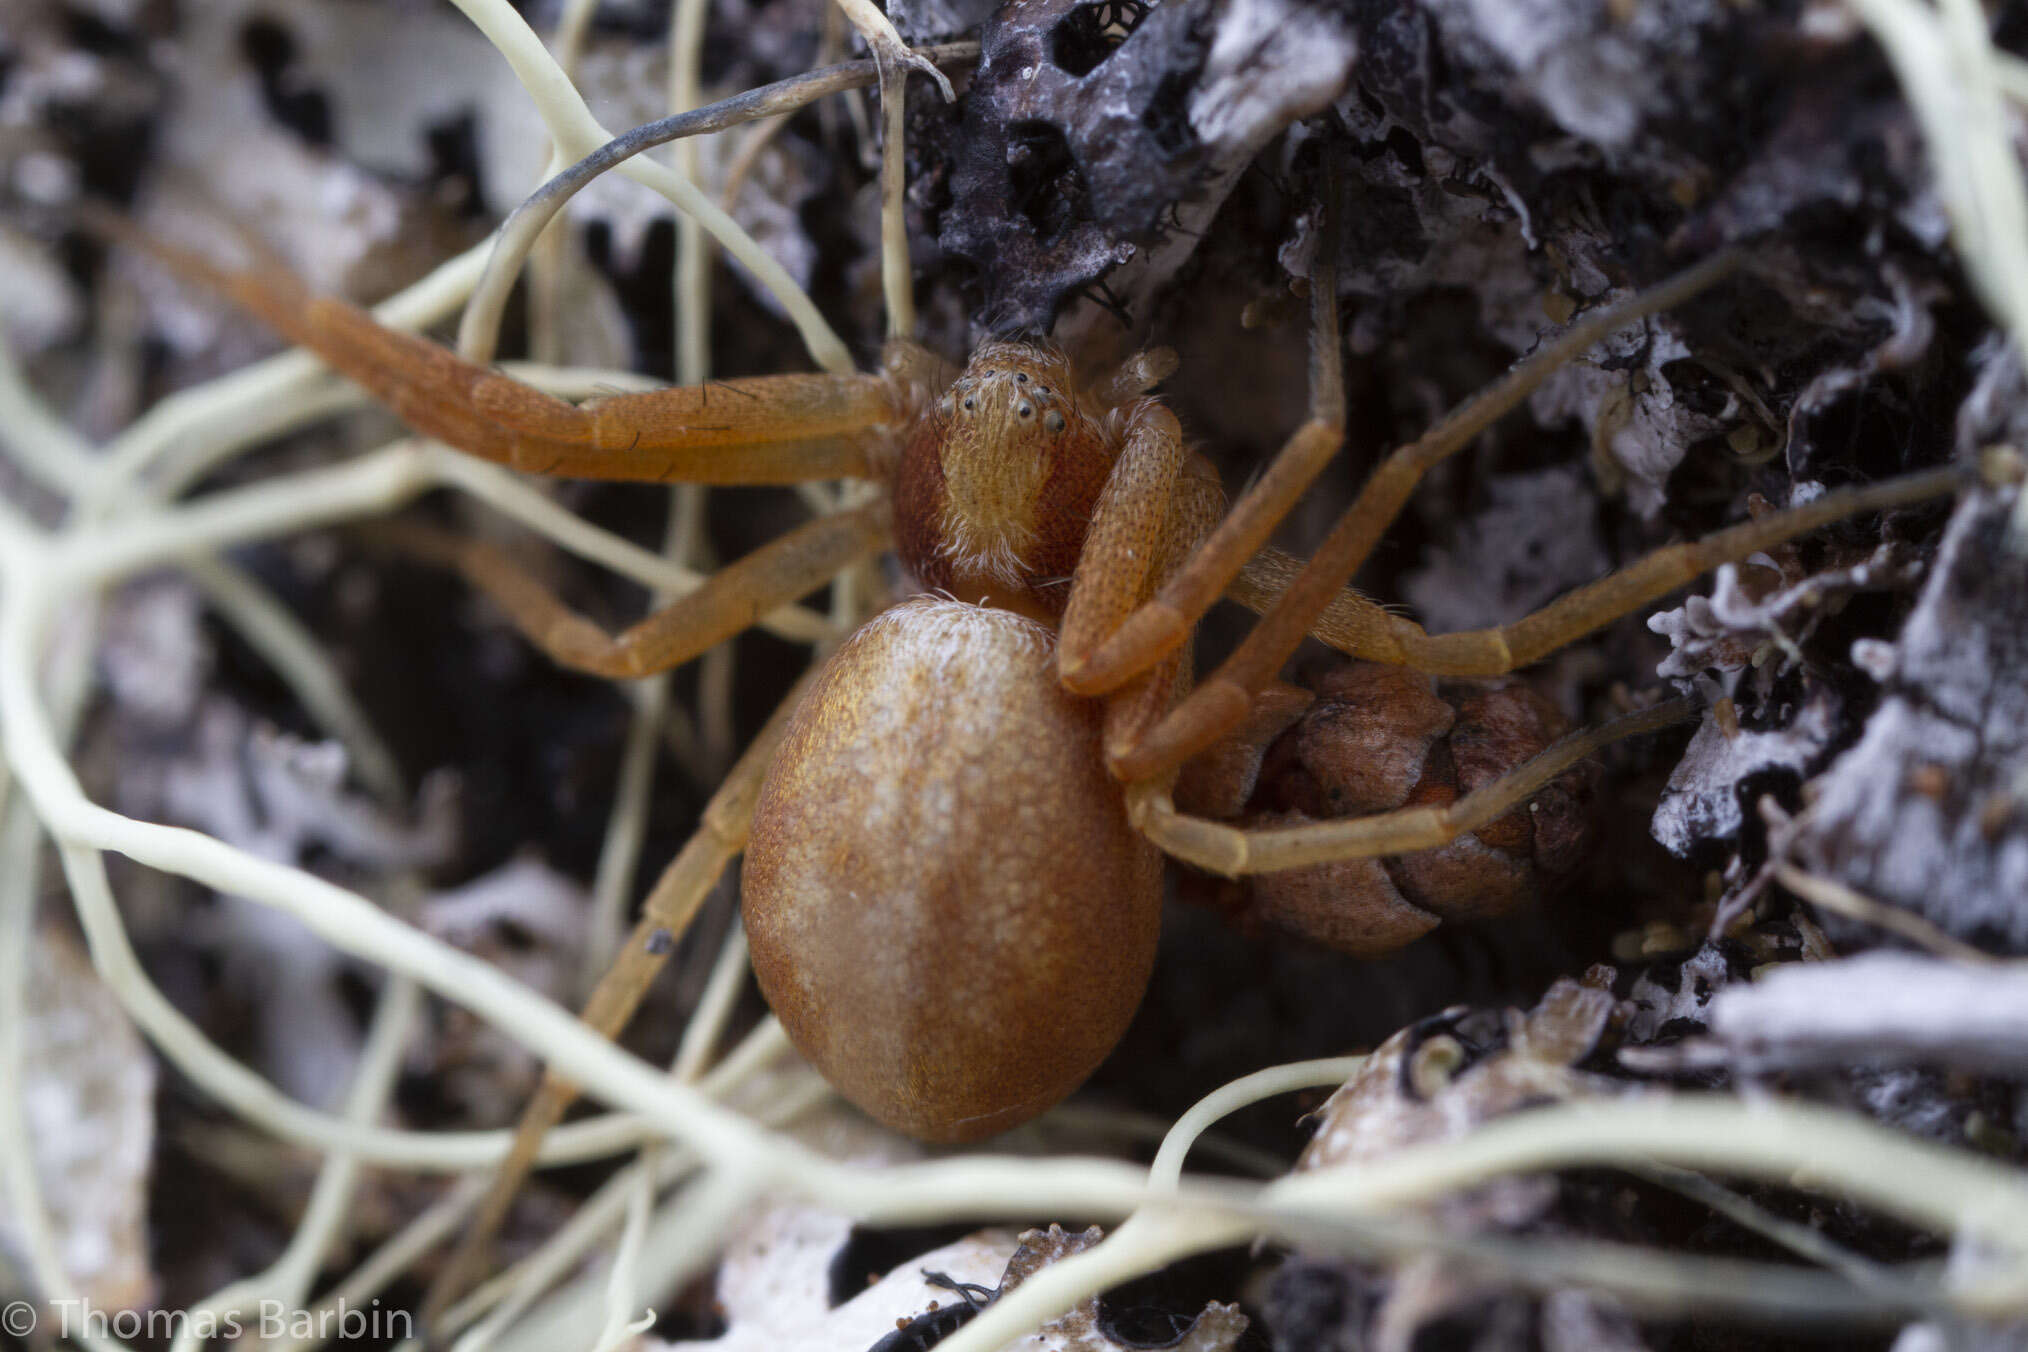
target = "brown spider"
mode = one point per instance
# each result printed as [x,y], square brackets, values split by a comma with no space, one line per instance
[954,837]
[1075,541]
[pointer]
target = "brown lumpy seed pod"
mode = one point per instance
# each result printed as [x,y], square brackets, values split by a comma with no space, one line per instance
[947,907]
[1378,738]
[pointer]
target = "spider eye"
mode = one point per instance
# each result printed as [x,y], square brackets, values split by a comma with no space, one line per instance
[968,401]
[1026,410]
[1053,421]
[1021,377]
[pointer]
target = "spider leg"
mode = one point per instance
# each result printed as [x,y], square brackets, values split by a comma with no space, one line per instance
[1362,628]
[729,601]
[1231,850]
[1159,503]
[1195,503]
[1126,542]
[1160,625]
[1353,624]
[758,430]
[670,906]
[1496,651]
[1220,702]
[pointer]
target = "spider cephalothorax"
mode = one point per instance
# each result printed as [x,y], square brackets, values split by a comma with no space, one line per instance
[999,478]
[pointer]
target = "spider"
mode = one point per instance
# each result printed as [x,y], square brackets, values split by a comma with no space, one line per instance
[1064,541]
[954,835]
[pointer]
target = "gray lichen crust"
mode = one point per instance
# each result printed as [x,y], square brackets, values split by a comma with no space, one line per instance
[1927,810]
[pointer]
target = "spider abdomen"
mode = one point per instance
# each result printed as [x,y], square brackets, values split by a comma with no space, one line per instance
[948,909]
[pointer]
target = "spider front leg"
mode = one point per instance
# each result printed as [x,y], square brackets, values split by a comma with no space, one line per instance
[1363,628]
[758,430]
[1112,646]
[1221,701]
[1195,505]
[1132,536]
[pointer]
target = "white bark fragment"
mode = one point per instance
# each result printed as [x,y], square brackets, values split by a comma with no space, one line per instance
[1879,1008]
[1925,812]
[1702,801]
